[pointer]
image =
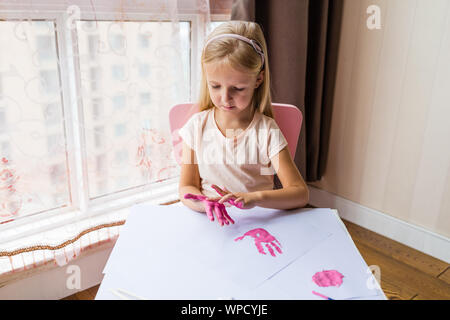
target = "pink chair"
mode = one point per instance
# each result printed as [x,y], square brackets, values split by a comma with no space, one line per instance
[288,117]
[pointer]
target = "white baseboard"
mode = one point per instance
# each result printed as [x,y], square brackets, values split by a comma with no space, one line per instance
[406,233]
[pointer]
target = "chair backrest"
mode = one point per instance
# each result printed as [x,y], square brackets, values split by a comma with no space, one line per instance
[287,116]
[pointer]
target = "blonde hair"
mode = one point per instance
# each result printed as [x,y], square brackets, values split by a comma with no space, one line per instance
[239,55]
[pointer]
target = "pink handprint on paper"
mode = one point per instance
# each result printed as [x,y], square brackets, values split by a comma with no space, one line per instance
[261,236]
[328,278]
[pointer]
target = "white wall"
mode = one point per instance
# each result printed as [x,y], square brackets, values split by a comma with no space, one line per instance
[390,136]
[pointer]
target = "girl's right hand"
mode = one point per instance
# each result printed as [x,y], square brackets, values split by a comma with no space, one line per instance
[211,207]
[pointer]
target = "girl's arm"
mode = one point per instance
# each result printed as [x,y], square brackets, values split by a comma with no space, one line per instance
[294,194]
[190,179]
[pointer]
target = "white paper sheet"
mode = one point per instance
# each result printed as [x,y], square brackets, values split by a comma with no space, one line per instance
[194,233]
[155,263]
[335,253]
[240,260]
[172,252]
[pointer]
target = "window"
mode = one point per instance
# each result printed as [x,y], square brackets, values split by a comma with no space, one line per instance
[215,24]
[144,40]
[49,81]
[120,129]
[118,72]
[52,114]
[53,143]
[136,77]
[91,110]
[100,163]
[5,150]
[2,120]
[33,149]
[144,98]
[119,102]
[117,43]
[93,44]
[95,78]
[101,187]
[99,135]
[45,47]
[144,70]
[121,157]
[58,198]
[57,174]
[97,108]
[122,182]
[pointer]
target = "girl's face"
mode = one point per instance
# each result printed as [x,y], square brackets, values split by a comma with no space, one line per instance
[230,90]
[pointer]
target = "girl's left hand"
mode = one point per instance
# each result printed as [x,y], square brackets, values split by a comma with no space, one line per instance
[242,200]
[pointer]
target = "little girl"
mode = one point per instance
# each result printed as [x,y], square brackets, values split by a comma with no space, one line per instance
[233,146]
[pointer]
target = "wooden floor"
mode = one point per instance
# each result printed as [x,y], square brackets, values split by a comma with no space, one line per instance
[406,274]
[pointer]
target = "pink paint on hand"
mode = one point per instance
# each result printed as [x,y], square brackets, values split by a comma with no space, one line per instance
[328,278]
[240,205]
[211,207]
[261,236]
[195,196]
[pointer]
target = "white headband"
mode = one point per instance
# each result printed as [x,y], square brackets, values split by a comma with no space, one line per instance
[251,42]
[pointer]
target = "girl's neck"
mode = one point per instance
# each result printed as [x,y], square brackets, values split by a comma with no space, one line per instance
[227,120]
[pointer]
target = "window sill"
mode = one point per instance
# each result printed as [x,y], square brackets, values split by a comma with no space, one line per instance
[29,264]
[33,270]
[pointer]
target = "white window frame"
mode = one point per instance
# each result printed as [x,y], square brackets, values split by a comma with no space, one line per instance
[82,207]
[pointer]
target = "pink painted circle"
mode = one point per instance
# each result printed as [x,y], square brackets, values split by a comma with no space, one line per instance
[328,278]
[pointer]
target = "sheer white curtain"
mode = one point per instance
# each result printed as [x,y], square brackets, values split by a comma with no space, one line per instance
[85,92]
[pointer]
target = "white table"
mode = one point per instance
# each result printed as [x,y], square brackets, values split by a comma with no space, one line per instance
[172,252]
